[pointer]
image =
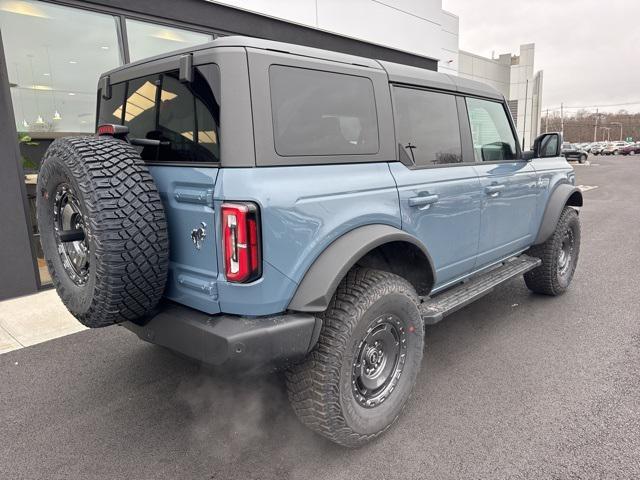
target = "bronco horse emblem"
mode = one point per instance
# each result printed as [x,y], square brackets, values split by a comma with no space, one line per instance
[198,235]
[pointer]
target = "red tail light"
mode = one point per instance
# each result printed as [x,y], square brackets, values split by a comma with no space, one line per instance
[241,242]
[112,130]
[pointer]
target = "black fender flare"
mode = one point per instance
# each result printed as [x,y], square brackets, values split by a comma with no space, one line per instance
[321,279]
[563,195]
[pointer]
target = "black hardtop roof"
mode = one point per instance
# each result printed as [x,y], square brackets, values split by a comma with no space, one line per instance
[397,73]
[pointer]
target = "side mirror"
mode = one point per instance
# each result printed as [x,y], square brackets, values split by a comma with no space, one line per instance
[547,145]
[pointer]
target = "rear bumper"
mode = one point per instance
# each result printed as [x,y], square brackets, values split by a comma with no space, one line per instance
[229,340]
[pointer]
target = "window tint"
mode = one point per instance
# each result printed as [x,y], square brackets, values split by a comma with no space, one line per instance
[491,132]
[111,109]
[140,111]
[427,126]
[322,113]
[184,116]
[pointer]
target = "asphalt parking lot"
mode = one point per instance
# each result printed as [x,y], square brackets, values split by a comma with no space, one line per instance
[513,386]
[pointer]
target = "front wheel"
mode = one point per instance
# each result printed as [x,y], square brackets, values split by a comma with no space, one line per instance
[358,378]
[559,255]
[583,158]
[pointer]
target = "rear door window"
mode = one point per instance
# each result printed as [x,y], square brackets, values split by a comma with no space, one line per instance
[491,132]
[322,113]
[184,117]
[427,126]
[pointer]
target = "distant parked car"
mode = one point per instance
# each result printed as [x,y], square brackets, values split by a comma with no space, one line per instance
[573,151]
[613,148]
[596,148]
[630,149]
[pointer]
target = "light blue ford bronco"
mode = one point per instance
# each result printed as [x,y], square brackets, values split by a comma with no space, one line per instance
[256,204]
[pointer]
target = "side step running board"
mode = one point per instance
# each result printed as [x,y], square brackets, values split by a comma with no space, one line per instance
[436,308]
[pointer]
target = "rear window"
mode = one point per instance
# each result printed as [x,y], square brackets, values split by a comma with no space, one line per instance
[322,113]
[185,117]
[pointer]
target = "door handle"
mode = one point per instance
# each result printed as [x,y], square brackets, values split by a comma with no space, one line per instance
[494,190]
[421,201]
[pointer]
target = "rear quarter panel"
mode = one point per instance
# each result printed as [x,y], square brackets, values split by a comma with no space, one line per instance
[303,210]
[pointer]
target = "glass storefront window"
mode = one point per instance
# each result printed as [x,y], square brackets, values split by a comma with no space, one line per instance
[55,55]
[149,39]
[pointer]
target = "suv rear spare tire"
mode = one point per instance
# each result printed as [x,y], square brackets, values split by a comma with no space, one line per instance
[103,230]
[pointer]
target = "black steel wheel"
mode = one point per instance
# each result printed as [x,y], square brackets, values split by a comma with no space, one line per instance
[71,240]
[358,378]
[565,255]
[378,363]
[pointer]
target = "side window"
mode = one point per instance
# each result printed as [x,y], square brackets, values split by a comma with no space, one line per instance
[491,131]
[185,117]
[322,113]
[427,126]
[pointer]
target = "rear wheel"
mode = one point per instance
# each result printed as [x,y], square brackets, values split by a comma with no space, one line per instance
[356,381]
[559,255]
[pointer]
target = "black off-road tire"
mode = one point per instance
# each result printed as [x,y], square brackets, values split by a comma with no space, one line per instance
[548,279]
[124,226]
[320,389]
[582,159]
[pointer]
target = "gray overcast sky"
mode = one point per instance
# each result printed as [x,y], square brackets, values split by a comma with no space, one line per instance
[589,49]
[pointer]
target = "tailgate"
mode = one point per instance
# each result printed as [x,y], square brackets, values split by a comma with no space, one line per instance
[187,195]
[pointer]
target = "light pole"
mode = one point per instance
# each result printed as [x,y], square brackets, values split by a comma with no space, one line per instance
[618,123]
[595,130]
[608,133]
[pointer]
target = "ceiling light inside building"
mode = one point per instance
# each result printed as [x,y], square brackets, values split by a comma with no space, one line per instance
[168,35]
[57,116]
[40,87]
[72,62]
[71,94]
[104,47]
[142,100]
[23,8]
[39,120]
[203,136]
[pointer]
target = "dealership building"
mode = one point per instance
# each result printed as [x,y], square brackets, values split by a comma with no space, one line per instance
[52,53]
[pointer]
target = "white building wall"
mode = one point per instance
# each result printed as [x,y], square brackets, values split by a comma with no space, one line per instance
[515,77]
[496,73]
[449,29]
[415,26]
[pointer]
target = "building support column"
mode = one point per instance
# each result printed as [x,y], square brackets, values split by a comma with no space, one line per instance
[18,267]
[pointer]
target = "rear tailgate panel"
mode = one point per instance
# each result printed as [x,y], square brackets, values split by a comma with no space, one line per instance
[187,195]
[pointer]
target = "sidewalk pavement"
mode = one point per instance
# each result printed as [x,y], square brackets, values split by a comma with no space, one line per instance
[33,319]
